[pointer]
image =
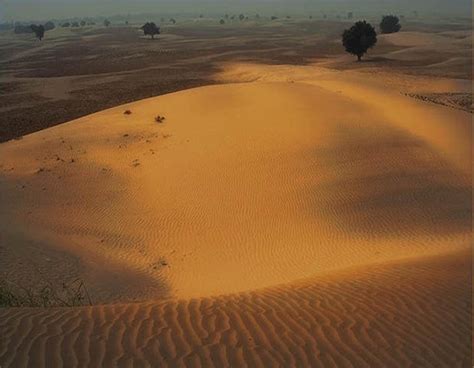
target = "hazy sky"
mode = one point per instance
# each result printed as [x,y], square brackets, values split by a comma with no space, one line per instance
[49,9]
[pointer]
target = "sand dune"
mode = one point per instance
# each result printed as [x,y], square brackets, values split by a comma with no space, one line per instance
[411,313]
[324,222]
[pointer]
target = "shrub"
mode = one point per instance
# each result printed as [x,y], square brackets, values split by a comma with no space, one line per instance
[160,119]
[127,112]
[45,295]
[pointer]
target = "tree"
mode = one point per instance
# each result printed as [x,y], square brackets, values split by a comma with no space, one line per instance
[172,20]
[310,17]
[106,22]
[48,26]
[350,15]
[222,21]
[75,24]
[390,24]
[359,38]
[241,17]
[38,31]
[273,17]
[83,23]
[66,25]
[150,29]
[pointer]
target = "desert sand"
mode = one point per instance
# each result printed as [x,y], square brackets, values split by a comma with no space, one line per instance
[306,217]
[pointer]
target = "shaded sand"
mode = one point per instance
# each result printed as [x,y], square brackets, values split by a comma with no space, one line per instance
[412,313]
[322,222]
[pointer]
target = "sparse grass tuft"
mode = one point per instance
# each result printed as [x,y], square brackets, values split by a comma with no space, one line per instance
[127,112]
[160,119]
[46,295]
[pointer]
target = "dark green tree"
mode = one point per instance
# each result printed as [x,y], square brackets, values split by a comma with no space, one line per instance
[390,24]
[150,29]
[359,38]
[38,31]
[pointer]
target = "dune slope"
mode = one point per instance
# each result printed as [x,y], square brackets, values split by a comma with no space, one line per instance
[413,313]
[268,224]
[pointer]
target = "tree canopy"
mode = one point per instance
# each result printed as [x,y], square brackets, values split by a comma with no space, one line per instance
[390,24]
[359,38]
[38,31]
[150,29]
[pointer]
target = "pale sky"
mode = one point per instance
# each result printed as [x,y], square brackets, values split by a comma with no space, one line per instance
[50,9]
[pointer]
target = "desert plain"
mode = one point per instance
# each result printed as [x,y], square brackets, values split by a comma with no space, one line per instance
[294,208]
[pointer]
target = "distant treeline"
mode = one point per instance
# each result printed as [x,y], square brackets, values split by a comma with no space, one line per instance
[30,28]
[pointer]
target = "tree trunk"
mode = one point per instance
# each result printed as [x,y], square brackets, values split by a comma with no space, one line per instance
[359,57]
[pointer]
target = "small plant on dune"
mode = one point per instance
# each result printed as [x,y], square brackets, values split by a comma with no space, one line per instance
[390,24]
[45,295]
[359,38]
[127,112]
[160,119]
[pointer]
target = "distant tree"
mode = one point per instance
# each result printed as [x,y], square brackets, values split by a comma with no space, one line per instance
[222,21]
[310,17]
[226,16]
[241,17]
[415,13]
[91,23]
[257,16]
[48,26]
[201,16]
[83,23]
[390,24]
[38,31]
[150,29]
[172,20]
[325,16]
[66,25]
[162,20]
[232,17]
[126,22]
[359,38]
[274,17]
[106,22]
[75,24]
[288,17]
[350,15]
